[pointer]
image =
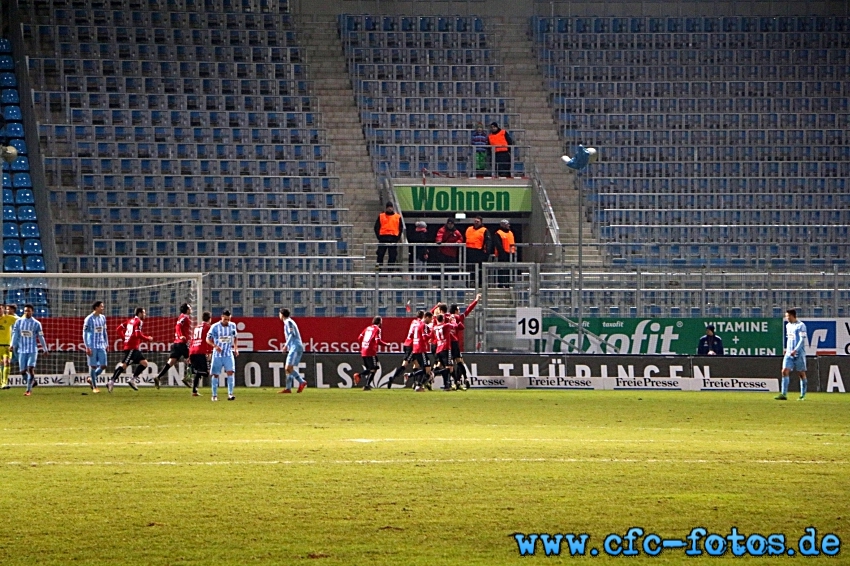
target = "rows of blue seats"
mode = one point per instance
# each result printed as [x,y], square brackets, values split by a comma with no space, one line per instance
[358,22]
[794,201]
[21,239]
[691,25]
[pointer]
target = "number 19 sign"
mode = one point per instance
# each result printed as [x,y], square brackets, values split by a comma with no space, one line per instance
[529,322]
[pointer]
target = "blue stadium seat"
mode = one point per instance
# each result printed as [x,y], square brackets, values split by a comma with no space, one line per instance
[6,63]
[32,246]
[27,214]
[10,96]
[30,230]
[34,263]
[13,263]
[21,164]
[5,46]
[8,80]
[41,311]
[7,181]
[20,145]
[10,230]
[8,197]
[10,214]
[12,113]
[36,296]
[14,296]
[11,247]
[14,130]
[22,196]
[22,181]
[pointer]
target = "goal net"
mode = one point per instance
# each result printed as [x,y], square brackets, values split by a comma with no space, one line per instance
[62,302]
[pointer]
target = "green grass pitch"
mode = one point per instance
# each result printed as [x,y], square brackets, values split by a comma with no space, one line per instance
[344,477]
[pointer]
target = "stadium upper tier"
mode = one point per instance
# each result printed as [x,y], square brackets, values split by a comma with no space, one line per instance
[422,84]
[723,141]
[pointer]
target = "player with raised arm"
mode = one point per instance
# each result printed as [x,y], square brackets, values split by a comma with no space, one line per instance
[8,318]
[199,352]
[369,340]
[26,336]
[295,349]
[796,338]
[222,337]
[421,357]
[443,331]
[461,377]
[96,343]
[180,347]
[407,348]
[133,337]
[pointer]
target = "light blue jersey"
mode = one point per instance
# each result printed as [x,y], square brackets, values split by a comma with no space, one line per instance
[26,335]
[796,338]
[293,336]
[94,332]
[223,337]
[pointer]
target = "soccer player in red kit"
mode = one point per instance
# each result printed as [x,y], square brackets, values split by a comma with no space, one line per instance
[407,347]
[461,376]
[180,348]
[369,340]
[133,336]
[421,346]
[443,332]
[199,352]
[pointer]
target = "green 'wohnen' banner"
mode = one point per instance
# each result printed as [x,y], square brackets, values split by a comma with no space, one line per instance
[741,336]
[424,198]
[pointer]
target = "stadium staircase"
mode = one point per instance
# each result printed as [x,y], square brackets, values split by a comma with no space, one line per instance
[332,86]
[541,135]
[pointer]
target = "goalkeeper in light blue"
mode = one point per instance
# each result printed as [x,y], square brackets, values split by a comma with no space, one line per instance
[96,343]
[796,339]
[26,336]
[295,347]
[222,337]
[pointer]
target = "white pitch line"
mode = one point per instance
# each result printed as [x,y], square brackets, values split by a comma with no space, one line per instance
[435,461]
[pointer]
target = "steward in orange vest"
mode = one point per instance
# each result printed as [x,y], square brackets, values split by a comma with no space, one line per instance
[506,245]
[478,242]
[388,229]
[501,141]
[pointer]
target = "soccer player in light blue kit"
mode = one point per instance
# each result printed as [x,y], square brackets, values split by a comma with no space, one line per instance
[296,349]
[96,342]
[222,337]
[26,336]
[796,339]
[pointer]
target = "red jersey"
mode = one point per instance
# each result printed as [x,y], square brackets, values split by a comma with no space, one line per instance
[199,340]
[411,332]
[132,331]
[370,339]
[443,335]
[183,329]
[459,320]
[422,338]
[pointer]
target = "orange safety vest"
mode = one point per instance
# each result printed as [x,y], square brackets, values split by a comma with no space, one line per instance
[499,141]
[508,243]
[389,224]
[475,238]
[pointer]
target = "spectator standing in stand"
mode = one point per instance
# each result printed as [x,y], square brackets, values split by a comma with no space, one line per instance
[388,229]
[448,234]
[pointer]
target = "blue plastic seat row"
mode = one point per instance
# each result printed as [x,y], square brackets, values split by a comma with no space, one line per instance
[34,295]
[26,230]
[21,196]
[31,246]
[15,263]
[22,214]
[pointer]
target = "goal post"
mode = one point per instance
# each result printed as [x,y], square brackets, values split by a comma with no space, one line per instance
[62,301]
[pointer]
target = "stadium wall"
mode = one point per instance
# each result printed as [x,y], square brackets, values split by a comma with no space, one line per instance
[830,374]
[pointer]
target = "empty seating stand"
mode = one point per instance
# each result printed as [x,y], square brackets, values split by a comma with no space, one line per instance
[180,135]
[18,199]
[723,140]
[422,84]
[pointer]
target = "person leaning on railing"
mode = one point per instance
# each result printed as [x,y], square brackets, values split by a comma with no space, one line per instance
[448,234]
[482,149]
